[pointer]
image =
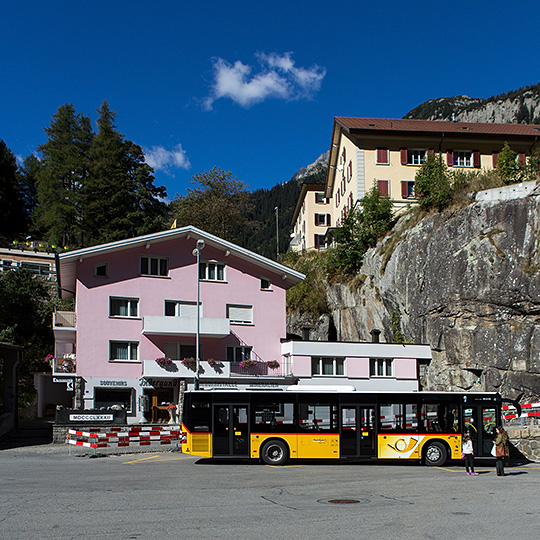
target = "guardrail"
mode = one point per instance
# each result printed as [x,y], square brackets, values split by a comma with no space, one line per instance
[528,410]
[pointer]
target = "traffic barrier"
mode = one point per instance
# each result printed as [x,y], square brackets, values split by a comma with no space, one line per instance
[527,411]
[122,437]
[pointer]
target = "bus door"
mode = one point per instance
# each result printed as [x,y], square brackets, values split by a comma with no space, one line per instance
[479,420]
[357,436]
[230,434]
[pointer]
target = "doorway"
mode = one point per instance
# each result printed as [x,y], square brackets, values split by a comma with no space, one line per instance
[231,433]
[357,431]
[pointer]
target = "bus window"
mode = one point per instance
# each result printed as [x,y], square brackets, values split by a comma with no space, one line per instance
[439,418]
[272,414]
[317,416]
[398,417]
[199,417]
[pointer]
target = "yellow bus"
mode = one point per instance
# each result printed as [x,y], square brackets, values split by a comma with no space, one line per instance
[276,426]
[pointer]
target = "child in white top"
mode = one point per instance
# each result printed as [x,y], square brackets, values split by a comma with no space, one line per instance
[468,454]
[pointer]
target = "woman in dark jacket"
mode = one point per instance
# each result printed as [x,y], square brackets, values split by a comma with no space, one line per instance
[501,444]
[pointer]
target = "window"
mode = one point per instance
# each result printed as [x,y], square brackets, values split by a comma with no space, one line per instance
[320,199]
[443,418]
[398,417]
[212,271]
[381,367]
[123,307]
[413,156]
[317,416]
[7,264]
[107,397]
[384,187]
[462,158]
[327,365]
[123,351]
[407,189]
[318,241]
[177,308]
[101,270]
[41,269]
[154,266]
[322,220]
[240,314]
[179,351]
[273,413]
[266,285]
[383,156]
[235,355]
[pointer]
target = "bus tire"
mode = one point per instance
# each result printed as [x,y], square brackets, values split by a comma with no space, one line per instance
[275,452]
[435,454]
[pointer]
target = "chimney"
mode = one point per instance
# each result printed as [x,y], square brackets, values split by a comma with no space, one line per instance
[305,333]
[375,335]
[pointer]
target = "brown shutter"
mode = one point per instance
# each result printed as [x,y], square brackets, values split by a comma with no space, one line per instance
[450,158]
[522,159]
[495,159]
[404,189]
[328,220]
[316,220]
[403,152]
[382,186]
[476,159]
[431,152]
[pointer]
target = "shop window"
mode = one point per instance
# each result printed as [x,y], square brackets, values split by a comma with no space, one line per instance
[105,398]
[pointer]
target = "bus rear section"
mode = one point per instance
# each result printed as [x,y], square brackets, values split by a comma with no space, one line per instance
[278,426]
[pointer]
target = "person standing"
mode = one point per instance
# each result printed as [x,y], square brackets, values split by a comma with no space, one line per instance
[501,449]
[468,454]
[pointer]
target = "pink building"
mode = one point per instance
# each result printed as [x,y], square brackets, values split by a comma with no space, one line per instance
[136,302]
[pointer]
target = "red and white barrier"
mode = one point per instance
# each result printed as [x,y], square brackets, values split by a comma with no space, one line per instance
[527,411]
[123,437]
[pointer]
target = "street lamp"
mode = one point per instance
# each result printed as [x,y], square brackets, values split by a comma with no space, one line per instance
[197,253]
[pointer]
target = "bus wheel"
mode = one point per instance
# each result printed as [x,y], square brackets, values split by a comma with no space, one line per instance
[435,454]
[275,453]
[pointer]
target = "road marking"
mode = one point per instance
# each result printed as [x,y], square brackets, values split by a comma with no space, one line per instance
[147,459]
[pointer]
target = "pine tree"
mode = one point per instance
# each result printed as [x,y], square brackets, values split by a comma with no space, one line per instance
[65,166]
[12,216]
[120,197]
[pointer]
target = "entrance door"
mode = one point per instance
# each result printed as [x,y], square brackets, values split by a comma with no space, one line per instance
[231,434]
[357,431]
[479,421]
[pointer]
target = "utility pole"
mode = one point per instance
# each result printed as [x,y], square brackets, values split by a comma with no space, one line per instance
[277,231]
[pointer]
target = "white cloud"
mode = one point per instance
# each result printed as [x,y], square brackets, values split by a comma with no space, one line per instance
[161,159]
[278,78]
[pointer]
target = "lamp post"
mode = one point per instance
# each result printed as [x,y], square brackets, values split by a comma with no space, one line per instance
[197,253]
[277,231]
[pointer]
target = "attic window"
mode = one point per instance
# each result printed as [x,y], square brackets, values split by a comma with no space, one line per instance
[101,270]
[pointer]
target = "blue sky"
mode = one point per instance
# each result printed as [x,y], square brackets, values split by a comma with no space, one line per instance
[250,87]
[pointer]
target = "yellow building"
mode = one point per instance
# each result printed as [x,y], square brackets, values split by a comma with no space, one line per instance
[311,218]
[388,152]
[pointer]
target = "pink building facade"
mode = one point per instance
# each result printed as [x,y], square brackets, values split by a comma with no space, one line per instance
[136,302]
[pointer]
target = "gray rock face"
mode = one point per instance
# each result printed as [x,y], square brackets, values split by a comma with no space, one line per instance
[468,284]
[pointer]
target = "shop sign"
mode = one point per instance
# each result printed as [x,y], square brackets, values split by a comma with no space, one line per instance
[91,417]
[67,382]
[113,383]
[148,382]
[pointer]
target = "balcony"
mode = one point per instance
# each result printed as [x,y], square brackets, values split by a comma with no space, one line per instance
[185,326]
[65,364]
[223,369]
[64,326]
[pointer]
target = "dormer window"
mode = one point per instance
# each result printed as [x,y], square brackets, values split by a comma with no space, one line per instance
[211,271]
[154,266]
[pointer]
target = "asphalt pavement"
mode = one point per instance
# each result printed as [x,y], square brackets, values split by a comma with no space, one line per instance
[47,493]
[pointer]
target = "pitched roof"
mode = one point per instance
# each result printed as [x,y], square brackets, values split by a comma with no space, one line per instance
[68,261]
[365,125]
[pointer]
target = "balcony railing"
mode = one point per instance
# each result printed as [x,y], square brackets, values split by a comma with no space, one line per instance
[64,319]
[282,368]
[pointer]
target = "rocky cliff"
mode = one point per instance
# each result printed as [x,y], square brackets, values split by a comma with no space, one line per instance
[518,106]
[466,282]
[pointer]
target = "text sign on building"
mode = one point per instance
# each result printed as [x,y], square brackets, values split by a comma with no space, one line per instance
[91,417]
